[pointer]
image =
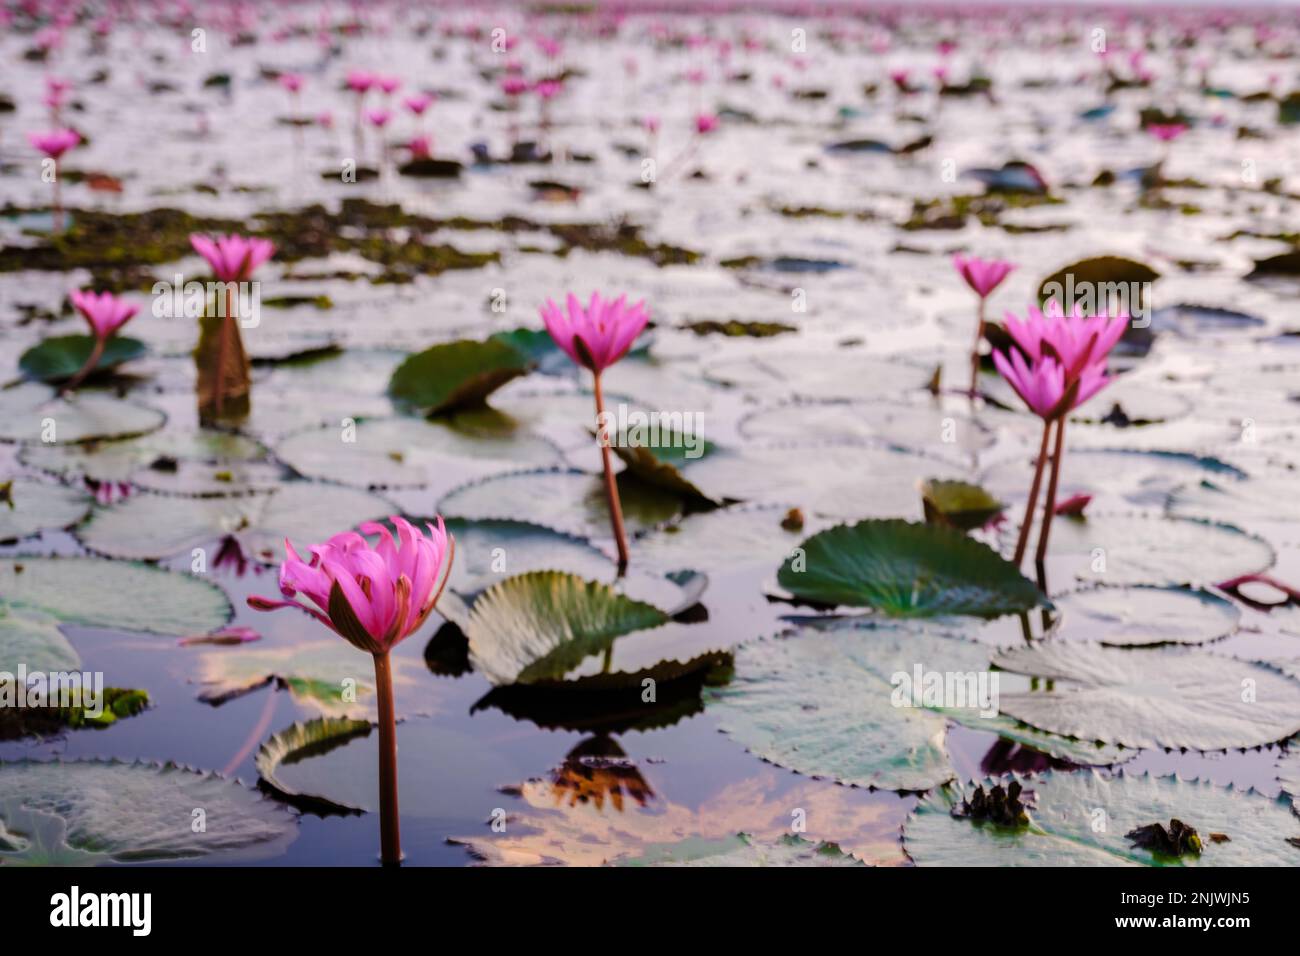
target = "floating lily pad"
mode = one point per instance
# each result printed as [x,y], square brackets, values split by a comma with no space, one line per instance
[1203,320]
[743,850]
[1251,502]
[456,374]
[540,625]
[38,594]
[925,428]
[301,742]
[1152,697]
[1138,616]
[32,413]
[330,677]
[1097,275]
[157,452]
[117,703]
[818,375]
[906,570]
[1288,772]
[959,504]
[37,505]
[1165,552]
[1080,819]
[659,465]
[156,526]
[733,540]
[59,358]
[569,501]
[113,812]
[409,453]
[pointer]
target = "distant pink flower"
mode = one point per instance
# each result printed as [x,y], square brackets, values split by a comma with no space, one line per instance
[421,147]
[54,85]
[379,117]
[900,78]
[372,597]
[389,84]
[233,258]
[706,123]
[105,313]
[325,119]
[695,76]
[514,86]
[549,46]
[360,80]
[291,81]
[417,103]
[651,124]
[54,144]
[1167,132]
[548,89]
[982,275]
[599,335]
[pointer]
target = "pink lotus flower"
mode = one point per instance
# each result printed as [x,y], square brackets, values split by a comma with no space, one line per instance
[359,81]
[232,258]
[548,89]
[1167,132]
[372,597]
[599,335]
[1043,386]
[418,103]
[514,86]
[325,119]
[389,84]
[982,275]
[105,313]
[379,118]
[1074,341]
[291,81]
[706,123]
[421,147]
[54,144]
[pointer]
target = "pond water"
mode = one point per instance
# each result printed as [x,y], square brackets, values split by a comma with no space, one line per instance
[796,265]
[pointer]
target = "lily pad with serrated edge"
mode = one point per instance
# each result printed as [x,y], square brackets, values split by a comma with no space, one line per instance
[1140,616]
[817,375]
[742,850]
[39,505]
[114,812]
[302,741]
[32,413]
[329,676]
[37,594]
[125,460]
[540,625]
[457,374]
[1083,818]
[1288,772]
[149,526]
[409,452]
[573,502]
[1168,697]
[904,569]
[117,703]
[61,357]
[733,540]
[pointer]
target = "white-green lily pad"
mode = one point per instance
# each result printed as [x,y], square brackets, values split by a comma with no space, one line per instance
[818,375]
[1250,502]
[906,570]
[38,594]
[132,458]
[926,428]
[1083,818]
[302,741]
[1169,697]
[569,501]
[32,413]
[34,506]
[540,625]
[409,453]
[730,540]
[113,812]
[156,526]
[1138,616]
[743,850]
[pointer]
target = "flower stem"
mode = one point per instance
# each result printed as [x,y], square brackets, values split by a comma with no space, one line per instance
[611,486]
[390,838]
[1049,507]
[1023,540]
[975,350]
[96,354]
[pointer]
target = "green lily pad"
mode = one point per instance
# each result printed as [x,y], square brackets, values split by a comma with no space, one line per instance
[821,702]
[1095,274]
[330,677]
[41,593]
[569,501]
[906,570]
[151,526]
[959,504]
[1139,549]
[118,703]
[37,505]
[540,625]
[1082,819]
[1140,616]
[659,465]
[32,413]
[456,374]
[1152,697]
[300,742]
[742,850]
[113,812]
[410,453]
[59,358]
